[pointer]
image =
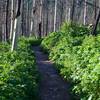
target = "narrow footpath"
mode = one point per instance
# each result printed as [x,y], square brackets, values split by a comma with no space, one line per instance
[52,86]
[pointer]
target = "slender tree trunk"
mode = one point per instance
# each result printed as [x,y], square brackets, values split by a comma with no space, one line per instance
[32,15]
[14,40]
[27,19]
[4,27]
[7,9]
[46,31]
[61,14]
[69,14]
[3,32]
[22,25]
[14,36]
[12,19]
[40,20]
[85,12]
[96,24]
[55,15]
[73,9]
[95,9]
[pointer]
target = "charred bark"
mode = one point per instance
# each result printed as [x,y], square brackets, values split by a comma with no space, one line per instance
[96,24]
[7,9]
[18,10]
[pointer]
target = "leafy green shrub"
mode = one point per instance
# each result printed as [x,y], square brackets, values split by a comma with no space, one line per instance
[34,41]
[77,57]
[18,74]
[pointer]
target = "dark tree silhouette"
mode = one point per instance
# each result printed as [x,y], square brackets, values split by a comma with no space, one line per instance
[18,10]
[7,9]
[96,24]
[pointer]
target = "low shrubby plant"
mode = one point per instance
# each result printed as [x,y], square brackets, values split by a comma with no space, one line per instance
[18,73]
[76,54]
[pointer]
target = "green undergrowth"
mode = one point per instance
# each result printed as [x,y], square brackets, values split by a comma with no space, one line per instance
[19,77]
[77,57]
[35,41]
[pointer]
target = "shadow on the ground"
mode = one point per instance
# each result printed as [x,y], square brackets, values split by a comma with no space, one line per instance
[52,86]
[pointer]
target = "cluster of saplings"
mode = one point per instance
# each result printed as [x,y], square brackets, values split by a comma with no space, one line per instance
[18,73]
[76,54]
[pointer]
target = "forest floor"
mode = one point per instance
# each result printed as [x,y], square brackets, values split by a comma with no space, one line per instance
[52,86]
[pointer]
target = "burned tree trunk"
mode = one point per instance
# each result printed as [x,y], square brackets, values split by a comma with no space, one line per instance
[12,19]
[14,41]
[96,24]
[95,9]
[40,26]
[18,10]
[73,9]
[40,20]
[55,15]
[7,9]
[85,12]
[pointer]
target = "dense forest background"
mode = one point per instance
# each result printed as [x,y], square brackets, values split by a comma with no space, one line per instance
[48,46]
[39,17]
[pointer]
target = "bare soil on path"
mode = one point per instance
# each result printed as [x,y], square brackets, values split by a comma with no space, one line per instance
[52,86]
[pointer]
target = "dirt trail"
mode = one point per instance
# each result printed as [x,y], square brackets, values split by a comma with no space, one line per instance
[52,86]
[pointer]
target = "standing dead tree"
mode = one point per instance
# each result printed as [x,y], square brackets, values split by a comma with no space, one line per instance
[12,19]
[73,9]
[7,9]
[55,15]
[14,41]
[96,24]
[40,19]
[85,12]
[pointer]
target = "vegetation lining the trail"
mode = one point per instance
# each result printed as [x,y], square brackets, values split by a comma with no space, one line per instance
[18,73]
[77,57]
